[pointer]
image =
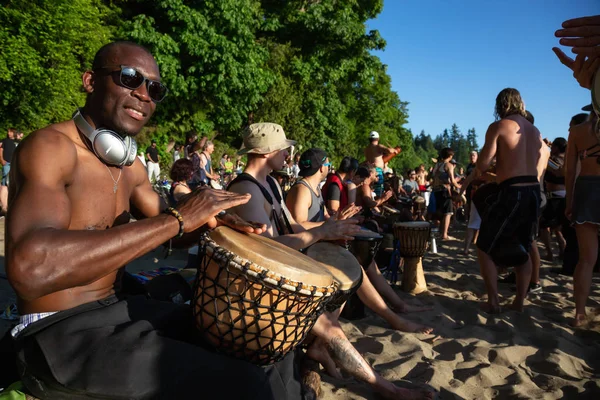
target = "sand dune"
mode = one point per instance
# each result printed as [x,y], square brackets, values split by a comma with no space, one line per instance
[533,355]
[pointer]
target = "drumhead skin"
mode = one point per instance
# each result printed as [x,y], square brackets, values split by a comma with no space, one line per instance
[273,256]
[413,224]
[340,262]
[367,234]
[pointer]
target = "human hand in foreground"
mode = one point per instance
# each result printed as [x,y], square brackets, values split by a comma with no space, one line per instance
[339,229]
[236,222]
[202,206]
[582,34]
[348,212]
[583,67]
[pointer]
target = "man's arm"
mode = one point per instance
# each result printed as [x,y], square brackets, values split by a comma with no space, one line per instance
[2,160]
[298,202]
[148,157]
[488,152]
[44,256]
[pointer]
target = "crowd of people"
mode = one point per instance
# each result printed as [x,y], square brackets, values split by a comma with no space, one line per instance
[75,186]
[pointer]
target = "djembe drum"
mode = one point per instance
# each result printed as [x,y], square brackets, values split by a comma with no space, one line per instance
[365,246]
[413,238]
[256,299]
[343,266]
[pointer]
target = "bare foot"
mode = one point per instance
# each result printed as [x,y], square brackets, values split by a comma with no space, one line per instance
[579,320]
[465,252]
[408,308]
[405,325]
[405,394]
[491,308]
[318,352]
[516,307]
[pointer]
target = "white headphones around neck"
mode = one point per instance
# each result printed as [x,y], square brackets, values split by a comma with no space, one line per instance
[108,145]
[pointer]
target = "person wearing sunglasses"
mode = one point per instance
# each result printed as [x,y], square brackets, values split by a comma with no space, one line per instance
[69,235]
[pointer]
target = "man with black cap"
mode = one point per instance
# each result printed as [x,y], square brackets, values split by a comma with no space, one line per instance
[267,148]
[305,199]
[152,162]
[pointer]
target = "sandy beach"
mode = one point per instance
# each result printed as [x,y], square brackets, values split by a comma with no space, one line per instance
[532,355]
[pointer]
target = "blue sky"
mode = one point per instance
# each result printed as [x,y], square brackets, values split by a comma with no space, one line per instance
[449,59]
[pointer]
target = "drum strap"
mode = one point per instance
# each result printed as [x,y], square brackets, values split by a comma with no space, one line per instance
[281,230]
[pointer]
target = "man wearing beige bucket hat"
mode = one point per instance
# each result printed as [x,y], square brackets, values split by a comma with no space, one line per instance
[267,148]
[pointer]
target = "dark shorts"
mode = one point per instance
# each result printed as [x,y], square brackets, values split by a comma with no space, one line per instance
[554,214]
[138,349]
[443,202]
[509,219]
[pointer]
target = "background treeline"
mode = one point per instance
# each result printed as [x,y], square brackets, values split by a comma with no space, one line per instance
[306,64]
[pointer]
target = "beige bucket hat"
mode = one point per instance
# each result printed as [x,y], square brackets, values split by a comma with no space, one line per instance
[264,138]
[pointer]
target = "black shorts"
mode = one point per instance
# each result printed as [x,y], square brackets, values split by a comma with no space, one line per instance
[553,215]
[443,202]
[509,219]
[138,349]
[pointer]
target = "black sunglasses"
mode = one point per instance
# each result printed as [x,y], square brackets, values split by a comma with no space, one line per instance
[131,78]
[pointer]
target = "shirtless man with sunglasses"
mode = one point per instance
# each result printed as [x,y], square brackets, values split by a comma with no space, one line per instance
[68,236]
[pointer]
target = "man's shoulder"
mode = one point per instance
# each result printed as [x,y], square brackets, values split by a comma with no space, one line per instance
[53,137]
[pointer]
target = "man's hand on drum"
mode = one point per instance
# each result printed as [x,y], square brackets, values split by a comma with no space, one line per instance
[200,208]
[236,222]
[348,212]
[339,229]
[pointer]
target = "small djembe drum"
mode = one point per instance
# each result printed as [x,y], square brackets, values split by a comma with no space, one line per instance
[256,299]
[413,238]
[343,266]
[365,246]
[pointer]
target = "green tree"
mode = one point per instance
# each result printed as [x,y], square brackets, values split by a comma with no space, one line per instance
[46,45]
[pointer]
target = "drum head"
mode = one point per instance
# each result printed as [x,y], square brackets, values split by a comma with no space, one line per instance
[272,255]
[340,262]
[413,224]
[367,234]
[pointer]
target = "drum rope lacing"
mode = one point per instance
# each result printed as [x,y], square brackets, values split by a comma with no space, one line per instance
[250,312]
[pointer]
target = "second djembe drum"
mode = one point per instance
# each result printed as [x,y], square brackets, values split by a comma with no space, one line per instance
[413,238]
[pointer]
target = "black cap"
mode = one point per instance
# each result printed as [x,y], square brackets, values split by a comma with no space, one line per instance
[310,161]
[587,108]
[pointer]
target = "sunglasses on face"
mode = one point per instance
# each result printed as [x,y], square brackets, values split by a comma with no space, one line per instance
[327,164]
[131,78]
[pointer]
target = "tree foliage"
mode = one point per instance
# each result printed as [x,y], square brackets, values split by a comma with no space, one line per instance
[307,65]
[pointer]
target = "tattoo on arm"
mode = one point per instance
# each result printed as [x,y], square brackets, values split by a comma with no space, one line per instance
[349,359]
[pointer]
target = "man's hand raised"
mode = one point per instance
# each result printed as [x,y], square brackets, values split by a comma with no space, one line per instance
[582,34]
[348,212]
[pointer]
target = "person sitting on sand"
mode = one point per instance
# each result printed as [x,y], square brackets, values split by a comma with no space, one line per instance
[510,215]
[364,179]
[305,203]
[267,147]
[69,235]
[335,190]
[583,153]
[181,172]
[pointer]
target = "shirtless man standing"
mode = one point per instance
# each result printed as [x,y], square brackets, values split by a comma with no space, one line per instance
[267,147]
[374,153]
[509,224]
[68,237]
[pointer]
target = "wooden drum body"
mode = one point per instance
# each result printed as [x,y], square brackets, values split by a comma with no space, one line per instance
[343,266]
[413,239]
[256,299]
[365,246]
